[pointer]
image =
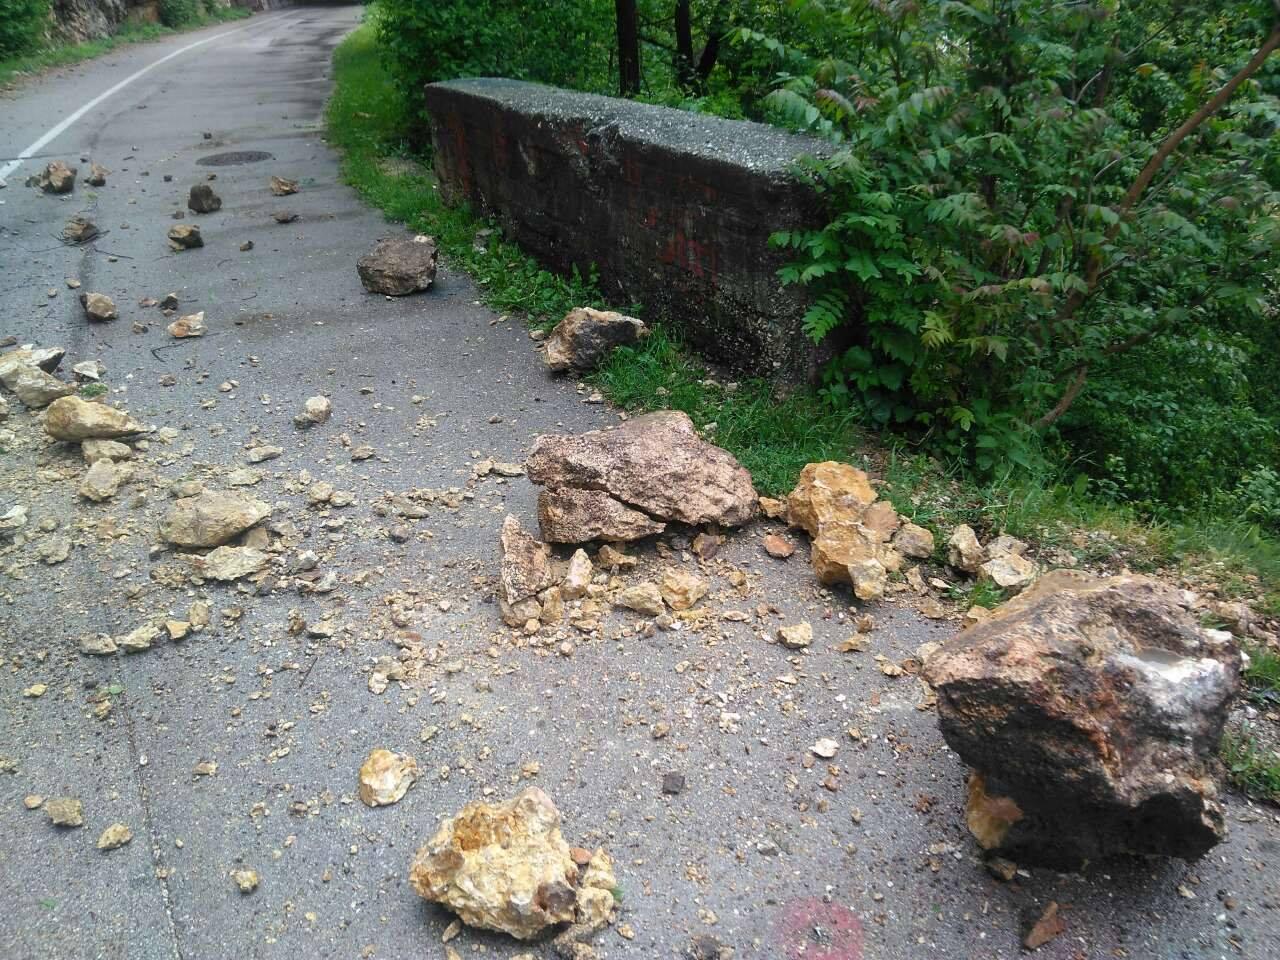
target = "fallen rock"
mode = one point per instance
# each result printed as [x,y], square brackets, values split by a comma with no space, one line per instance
[1091,710]
[139,639]
[914,541]
[570,515]
[315,411]
[13,520]
[103,480]
[185,236]
[75,420]
[385,777]
[586,337]
[202,199]
[284,216]
[97,175]
[644,598]
[797,636]
[525,567]
[79,229]
[682,590]
[98,307]
[169,301]
[847,553]
[46,358]
[56,177]
[64,811]
[283,187]
[501,867]
[229,563]
[964,552]
[210,519]
[1050,926]
[577,577]
[829,492]
[37,389]
[192,325]
[654,463]
[99,645]
[114,837]
[1009,571]
[246,879]
[398,266]
[778,547]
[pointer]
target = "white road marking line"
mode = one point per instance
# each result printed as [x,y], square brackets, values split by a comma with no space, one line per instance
[61,128]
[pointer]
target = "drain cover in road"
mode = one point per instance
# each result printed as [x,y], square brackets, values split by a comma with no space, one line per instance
[233,158]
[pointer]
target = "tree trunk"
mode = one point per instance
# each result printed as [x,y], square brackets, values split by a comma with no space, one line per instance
[628,48]
[684,46]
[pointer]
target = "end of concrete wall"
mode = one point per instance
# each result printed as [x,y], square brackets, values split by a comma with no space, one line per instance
[673,208]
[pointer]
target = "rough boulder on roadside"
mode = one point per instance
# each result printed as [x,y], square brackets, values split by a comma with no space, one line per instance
[585,338]
[655,465]
[399,266]
[1091,710]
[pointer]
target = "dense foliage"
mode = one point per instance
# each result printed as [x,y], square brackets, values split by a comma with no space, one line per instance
[22,25]
[1053,234]
[179,13]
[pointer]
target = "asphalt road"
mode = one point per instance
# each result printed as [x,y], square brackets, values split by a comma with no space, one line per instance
[755,851]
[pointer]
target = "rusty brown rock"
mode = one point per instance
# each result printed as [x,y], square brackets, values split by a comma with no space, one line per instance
[569,515]
[829,492]
[586,337]
[525,564]
[1092,710]
[56,177]
[655,463]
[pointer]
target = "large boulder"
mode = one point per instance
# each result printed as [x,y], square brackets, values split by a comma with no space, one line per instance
[502,867]
[75,420]
[1091,711]
[656,464]
[586,337]
[398,266]
[210,519]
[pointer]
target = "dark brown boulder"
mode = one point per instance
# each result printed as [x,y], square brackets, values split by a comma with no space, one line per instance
[398,266]
[202,199]
[1091,711]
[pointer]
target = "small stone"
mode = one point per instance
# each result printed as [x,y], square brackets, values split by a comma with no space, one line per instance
[282,187]
[56,177]
[284,216]
[98,307]
[138,640]
[169,302]
[825,748]
[103,480]
[246,246]
[33,801]
[914,541]
[778,547]
[964,553]
[673,783]
[577,577]
[644,598]
[1009,571]
[202,199]
[185,236]
[192,325]
[1001,869]
[99,645]
[315,411]
[229,563]
[1049,927]
[611,558]
[35,691]
[682,590]
[797,636]
[245,879]
[80,229]
[97,175]
[115,836]
[65,811]
[385,777]
[263,454]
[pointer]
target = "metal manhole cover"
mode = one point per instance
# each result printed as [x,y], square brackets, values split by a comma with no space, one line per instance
[233,158]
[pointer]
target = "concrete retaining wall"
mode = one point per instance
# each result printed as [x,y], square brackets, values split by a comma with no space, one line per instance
[674,208]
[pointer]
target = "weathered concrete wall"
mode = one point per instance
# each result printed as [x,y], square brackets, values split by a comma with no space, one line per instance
[674,208]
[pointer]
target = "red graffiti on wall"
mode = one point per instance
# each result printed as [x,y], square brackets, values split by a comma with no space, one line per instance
[691,256]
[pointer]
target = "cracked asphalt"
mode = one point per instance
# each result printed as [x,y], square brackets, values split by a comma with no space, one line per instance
[768,850]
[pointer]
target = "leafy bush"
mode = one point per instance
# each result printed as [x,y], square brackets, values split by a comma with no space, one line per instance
[22,25]
[179,13]
[1024,192]
[566,44]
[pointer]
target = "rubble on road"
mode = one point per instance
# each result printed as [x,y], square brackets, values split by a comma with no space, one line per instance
[97,175]
[202,199]
[114,837]
[64,811]
[75,420]
[385,777]
[192,325]
[185,236]
[655,464]
[315,411]
[98,307]
[506,867]
[56,177]
[79,229]
[1091,710]
[399,266]
[585,338]
[210,519]
[282,187]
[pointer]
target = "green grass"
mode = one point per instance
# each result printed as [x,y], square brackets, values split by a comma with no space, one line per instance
[1250,768]
[1262,676]
[772,433]
[15,69]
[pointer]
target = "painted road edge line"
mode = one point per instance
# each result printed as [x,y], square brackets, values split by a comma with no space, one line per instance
[59,129]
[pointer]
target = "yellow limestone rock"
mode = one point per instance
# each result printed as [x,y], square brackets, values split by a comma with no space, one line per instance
[385,777]
[828,492]
[681,589]
[501,867]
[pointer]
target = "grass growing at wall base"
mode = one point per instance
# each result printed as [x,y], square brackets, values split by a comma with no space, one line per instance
[773,434]
[15,69]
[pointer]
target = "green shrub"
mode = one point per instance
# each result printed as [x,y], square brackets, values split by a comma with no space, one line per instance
[22,25]
[179,13]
